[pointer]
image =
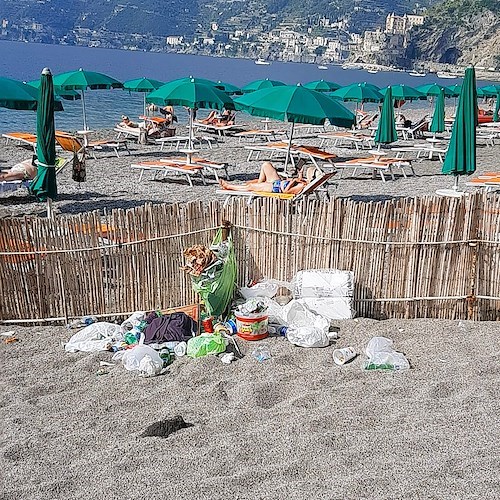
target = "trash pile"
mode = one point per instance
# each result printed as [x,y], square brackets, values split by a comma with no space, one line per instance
[302,314]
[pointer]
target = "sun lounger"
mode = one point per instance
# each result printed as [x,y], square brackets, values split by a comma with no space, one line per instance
[166,166]
[220,129]
[377,165]
[177,141]
[312,187]
[128,132]
[210,166]
[342,138]
[21,138]
[488,181]
[256,134]
[73,143]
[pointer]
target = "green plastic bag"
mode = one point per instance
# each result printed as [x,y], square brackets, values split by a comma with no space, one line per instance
[216,283]
[205,344]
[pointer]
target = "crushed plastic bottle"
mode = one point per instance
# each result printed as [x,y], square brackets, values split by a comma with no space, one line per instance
[261,354]
[82,322]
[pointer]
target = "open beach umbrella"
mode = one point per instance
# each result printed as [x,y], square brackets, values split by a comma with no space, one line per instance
[260,85]
[20,96]
[144,85]
[461,156]
[322,86]
[228,88]
[83,80]
[404,93]
[437,124]
[68,95]
[488,91]
[295,104]
[44,185]
[434,89]
[358,92]
[192,95]
[455,89]
[386,129]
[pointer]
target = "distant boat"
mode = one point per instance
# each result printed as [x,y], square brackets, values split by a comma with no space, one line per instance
[372,71]
[416,73]
[322,67]
[262,62]
[440,74]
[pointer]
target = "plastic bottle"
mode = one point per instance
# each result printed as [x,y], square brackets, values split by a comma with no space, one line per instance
[130,338]
[180,349]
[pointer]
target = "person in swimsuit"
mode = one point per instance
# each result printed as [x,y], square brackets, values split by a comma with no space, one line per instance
[23,171]
[270,182]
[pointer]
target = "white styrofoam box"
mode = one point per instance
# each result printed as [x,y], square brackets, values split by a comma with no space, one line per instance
[324,283]
[330,307]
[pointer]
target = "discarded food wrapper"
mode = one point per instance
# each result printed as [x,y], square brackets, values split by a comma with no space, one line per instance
[198,258]
[261,289]
[8,334]
[253,305]
[105,363]
[228,358]
[11,340]
[261,354]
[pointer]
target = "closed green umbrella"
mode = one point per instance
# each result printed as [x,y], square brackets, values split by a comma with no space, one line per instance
[386,129]
[193,95]
[437,124]
[322,86]
[461,156]
[144,85]
[497,109]
[83,80]
[260,85]
[359,92]
[295,104]
[44,185]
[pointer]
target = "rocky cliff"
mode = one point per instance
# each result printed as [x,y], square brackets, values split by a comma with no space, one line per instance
[459,32]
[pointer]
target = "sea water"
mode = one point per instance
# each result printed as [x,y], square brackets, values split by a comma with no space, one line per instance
[25,61]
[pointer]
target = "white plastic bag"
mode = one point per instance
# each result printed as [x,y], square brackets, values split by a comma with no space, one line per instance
[295,315]
[381,356]
[94,337]
[133,320]
[308,336]
[322,283]
[144,359]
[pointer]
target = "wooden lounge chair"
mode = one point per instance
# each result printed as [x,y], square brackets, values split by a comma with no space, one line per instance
[377,165]
[70,142]
[21,138]
[310,188]
[165,166]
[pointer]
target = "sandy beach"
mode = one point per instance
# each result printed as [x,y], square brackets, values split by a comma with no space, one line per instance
[111,183]
[295,426]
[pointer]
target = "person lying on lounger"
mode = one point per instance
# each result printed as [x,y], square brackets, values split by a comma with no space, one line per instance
[269,181]
[23,171]
[127,122]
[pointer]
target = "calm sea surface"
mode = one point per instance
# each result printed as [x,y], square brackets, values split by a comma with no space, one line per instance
[24,61]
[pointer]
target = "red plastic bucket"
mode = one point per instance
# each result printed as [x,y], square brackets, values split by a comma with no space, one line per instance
[252,327]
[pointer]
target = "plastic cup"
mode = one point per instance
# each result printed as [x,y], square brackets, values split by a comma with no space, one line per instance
[342,356]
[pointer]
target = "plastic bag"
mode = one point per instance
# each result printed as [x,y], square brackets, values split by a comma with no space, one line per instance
[205,344]
[216,283]
[296,315]
[94,337]
[381,356]
[308,336]
[134,320]
[144,359]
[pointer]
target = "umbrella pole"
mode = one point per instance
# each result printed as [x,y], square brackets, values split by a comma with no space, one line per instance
[145,104]
[50,213]
[190,141]
[289,145]
[84,113]
[455,185]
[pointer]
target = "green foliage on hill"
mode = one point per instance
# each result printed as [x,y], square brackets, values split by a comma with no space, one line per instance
[456,12]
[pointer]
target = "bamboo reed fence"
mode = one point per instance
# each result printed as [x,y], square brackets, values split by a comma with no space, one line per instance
[427,257]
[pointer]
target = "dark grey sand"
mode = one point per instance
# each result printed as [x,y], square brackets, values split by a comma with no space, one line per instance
[295,426]
[111,183]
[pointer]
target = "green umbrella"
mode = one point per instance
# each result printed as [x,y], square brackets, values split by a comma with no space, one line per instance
[44,185]
[359,92]
[461,156]
[455,89]
[434,89]
[404,93]
[322,86]
[193,95]
[144,85]
[83,80]
[437,124]
[295,104]
[69,95]
[228,88]
[489,91]
[260,85]
[20,96]
[386,129]
[497,109]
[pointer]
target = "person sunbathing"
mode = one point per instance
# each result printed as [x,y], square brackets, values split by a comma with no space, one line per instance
[210,119]
[169,114]
[269,181]
[127,122]
[22,171]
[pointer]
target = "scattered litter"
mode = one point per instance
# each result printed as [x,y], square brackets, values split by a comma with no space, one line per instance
[81,322]
[143,359]
[11,340]
[164,428]
[343,355]
[105,363]
[308,336]
[228,358]
[261,354]
[11,333]
[102,371]
[94,337]
[180,349]
[206,344]
[381,356]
